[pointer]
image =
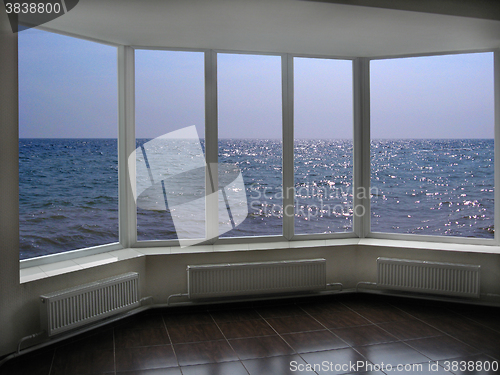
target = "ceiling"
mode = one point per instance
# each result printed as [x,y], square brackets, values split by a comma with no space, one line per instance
[283,26]
[487,9]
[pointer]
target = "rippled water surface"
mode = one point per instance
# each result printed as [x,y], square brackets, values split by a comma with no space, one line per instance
[69,190]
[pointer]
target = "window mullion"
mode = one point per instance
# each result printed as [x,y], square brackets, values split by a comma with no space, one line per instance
[211,147]
[126,146]
[361,145]
[288,171]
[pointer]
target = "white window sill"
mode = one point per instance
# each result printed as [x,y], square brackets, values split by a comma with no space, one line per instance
[424,245]
[58,268]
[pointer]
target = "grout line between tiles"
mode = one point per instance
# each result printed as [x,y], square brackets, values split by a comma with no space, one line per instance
[223,335]
[171,343]
[475,321]
[114,351]
[299,305]
[445,333]
[52,362]
[286,342]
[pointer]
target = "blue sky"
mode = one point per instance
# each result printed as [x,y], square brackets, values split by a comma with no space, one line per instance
[68,89]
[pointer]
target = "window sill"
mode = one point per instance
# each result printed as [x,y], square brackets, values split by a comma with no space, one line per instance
[430,245]
[58,268]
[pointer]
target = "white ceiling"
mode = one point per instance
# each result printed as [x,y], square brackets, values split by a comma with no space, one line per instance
[292,26]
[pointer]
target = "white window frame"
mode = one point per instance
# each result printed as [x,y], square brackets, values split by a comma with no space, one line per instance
[495,241]
[361,156]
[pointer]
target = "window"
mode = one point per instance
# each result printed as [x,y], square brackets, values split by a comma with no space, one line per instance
[68,171]
[432,149]
[250,137]
[323,160]
[170,97]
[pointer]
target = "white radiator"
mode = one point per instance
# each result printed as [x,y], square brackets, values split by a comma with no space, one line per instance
[81,305]
[220,280]
[461,280]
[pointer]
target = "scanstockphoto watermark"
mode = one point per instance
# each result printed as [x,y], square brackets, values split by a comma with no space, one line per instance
[170,173]
[365,366]
[25,14]
[310,201]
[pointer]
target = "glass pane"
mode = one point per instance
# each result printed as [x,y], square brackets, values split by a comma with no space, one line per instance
[432,151]
[68,170]
[170,131]
[323,128]
[250,142]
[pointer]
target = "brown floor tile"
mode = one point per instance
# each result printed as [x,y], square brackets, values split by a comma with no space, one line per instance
[442,347]
[246,328]
[204,352]
[490,322]
[341,319]
[314,341]
[410,329]
[484,339]
[145,358]
[240,305]
[298,323]
[76,362]
[224,368]
[422,311]
[234,315]
[487,316]
[157,371]
[130,338]
[338,361]
[454,325]
[364,335]
[142,321]
[383,314]
[188,318]
[140,345]
[258,347]
[356,302]
[93,342]
[193,333]
[331,307]
[36,363]
[281,365]
[279,311]
[273,302]
[395,353]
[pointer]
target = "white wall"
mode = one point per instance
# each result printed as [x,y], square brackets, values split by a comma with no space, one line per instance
[9,186]
[346,264]
[167,273]
[19,304]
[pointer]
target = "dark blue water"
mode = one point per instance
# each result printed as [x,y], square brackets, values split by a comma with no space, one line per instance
[69,190]
[437,187]
[68,194]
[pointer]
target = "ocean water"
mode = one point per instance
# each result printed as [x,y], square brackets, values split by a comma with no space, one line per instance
[69,190]
[68,194]
[436,187]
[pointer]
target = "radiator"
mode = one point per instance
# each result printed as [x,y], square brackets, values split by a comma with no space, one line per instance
[461,280]
[220,280]
[81,305]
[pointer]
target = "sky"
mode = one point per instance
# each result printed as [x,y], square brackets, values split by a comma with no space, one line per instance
[68,89]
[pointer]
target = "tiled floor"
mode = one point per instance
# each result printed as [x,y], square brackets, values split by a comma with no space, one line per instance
[337,334]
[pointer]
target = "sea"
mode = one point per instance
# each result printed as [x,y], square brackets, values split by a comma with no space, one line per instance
[68,190]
